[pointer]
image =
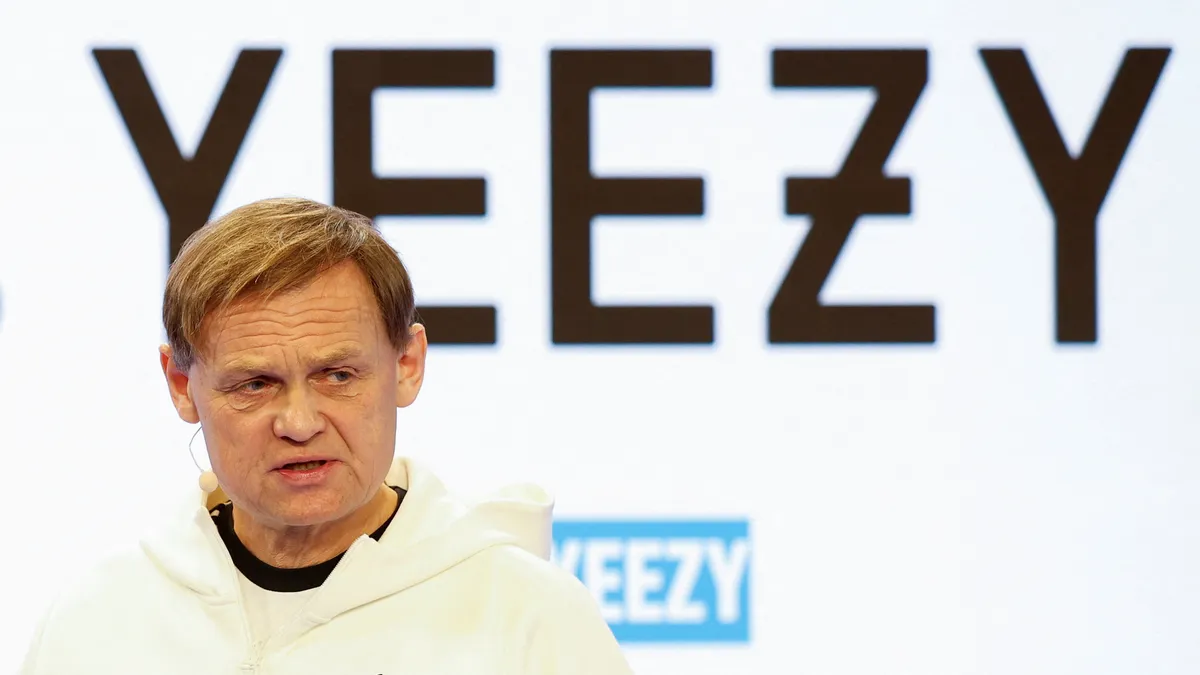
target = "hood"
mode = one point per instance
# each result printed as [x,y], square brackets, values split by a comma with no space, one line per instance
[432,531]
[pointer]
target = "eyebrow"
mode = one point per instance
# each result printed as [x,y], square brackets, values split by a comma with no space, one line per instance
[336,356]
[253,365]
[245,364]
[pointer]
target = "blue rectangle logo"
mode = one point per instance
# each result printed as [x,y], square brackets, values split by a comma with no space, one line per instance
[663,580]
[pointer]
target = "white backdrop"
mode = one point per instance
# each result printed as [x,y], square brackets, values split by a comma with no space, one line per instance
[993,503]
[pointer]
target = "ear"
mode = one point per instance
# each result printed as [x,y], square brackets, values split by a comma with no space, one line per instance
[177,385]
[411,370]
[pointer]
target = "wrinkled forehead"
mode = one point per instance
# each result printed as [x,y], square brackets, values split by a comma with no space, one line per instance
[329,314]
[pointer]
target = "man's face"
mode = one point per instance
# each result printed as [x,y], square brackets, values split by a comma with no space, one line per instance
[309,376]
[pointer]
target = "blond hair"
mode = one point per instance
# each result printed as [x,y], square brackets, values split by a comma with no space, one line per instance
[273,246]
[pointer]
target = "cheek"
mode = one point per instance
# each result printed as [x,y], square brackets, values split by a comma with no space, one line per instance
[367,422]
[375,395]
[234,438]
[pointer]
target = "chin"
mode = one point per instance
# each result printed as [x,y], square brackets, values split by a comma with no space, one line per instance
[307,510]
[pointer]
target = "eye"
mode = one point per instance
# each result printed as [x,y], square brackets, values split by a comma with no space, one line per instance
[340,376]
[252,387]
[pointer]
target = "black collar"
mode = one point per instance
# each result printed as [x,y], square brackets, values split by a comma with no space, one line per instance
[279,579]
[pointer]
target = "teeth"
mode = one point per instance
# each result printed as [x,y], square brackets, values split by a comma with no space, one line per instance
[304,466]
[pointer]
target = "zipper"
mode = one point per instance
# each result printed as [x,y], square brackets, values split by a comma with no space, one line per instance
[256,658]
[257,647]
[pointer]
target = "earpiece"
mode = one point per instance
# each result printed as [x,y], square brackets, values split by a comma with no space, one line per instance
[208,479]
[208,482]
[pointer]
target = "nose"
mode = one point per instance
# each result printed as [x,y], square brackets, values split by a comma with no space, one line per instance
[299,421]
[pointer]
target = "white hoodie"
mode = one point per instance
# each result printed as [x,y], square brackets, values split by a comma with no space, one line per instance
[450,588]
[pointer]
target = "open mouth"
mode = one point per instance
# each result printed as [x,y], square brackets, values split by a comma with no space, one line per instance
[303,466]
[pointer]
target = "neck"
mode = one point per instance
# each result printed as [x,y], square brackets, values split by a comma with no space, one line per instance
[300,546]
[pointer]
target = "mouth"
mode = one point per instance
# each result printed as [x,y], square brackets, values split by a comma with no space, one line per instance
[306,465]
[306,472]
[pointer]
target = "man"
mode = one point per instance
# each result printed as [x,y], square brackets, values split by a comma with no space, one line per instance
[309,549]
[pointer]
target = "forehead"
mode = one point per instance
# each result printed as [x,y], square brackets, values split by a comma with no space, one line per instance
[337,307]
